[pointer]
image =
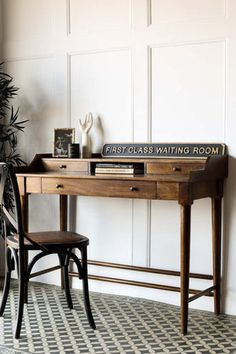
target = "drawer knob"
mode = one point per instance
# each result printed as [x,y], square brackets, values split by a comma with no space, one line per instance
[62,166]
[59,186]
[176,169]
[133,189]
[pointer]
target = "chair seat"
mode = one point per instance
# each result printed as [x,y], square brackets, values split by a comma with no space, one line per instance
[50,239]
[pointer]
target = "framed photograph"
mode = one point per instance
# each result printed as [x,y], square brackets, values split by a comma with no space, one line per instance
[62,137]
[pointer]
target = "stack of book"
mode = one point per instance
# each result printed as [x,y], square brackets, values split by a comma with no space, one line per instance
[118,168]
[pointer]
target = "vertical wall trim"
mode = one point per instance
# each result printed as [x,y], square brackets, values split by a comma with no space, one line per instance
[149,139]
[132,234]
[68,61]
[149,94]
[149,238]
[68,13]
[131,13]
[132,139]
[71,217]
[226,8]
[132,95]
[149,13]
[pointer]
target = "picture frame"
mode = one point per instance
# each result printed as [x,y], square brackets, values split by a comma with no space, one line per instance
[62,137]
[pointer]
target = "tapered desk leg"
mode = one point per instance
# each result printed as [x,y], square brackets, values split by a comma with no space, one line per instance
[63,225]
[216,250]
[63,212]
[25,217]
[185,211]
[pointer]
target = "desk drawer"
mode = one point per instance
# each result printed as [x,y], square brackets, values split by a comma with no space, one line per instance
[106,188]
[174,168]
[65,165]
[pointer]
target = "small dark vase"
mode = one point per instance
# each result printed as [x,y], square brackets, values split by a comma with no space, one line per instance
[73,151]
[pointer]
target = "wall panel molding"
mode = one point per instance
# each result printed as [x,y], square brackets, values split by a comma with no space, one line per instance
[25,58]
[152,47]
[68,15]
[149,235]
[149,12]
[72,54]
[69,20]
[149,89]
[151,22]
[28,21]
[98,51]
[68,79]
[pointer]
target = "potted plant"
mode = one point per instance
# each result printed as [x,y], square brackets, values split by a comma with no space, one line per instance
[9,121]
[10,126]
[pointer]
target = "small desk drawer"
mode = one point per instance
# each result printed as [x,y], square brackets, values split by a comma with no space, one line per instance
[65,165]
[174,168]
[106,188]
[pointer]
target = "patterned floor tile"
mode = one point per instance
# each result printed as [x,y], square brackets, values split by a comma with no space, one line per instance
[124,326]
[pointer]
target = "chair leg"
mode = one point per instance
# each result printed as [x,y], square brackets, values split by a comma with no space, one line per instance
[21,296]
[64,262]
[67,282]
[85,287]
[26,256]
[6,281]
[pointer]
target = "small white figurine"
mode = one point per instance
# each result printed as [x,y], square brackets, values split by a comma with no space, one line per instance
[85,128]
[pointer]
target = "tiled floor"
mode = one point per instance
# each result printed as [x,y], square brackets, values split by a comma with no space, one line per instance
[124,325]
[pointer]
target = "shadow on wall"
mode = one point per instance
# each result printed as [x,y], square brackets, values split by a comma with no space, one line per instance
[229,231]
[38,135]
[97,136]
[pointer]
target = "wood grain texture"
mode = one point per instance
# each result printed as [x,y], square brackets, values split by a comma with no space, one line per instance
[65,165]
[106,188]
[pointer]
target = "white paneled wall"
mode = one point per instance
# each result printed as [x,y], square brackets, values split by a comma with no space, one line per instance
[96,76]
[148,70]
[195,88]
[105,15]
[185,10]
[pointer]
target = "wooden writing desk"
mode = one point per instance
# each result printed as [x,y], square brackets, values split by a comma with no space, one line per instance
[183,180]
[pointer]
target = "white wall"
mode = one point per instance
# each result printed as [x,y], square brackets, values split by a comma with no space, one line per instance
[148,70]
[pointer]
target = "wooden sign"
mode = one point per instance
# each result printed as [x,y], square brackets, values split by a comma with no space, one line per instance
[149,150]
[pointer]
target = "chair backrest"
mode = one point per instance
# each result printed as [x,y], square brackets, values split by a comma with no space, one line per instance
[10,206]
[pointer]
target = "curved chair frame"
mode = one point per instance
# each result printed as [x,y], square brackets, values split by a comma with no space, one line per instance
[18,244]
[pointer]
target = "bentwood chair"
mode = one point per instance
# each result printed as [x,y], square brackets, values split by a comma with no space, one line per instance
[18,244]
